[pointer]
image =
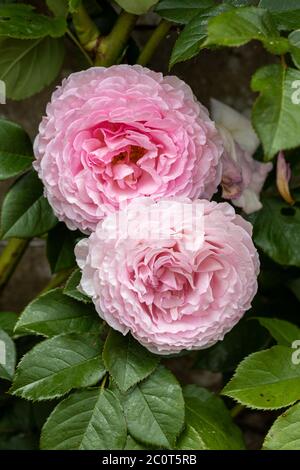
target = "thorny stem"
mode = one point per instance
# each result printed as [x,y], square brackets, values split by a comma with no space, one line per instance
[151,46]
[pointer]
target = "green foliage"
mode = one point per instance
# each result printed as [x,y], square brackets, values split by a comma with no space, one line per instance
[155,410]
[208,421]
[26,213]
[54,313]
[8,321]
[71,287]
[276,231]
[286,14]
[15,150]
[57,365]
[86,420]
[266,380]
[238,26]
[182,11]
[22,22]
[285,432]
[28,66]
[126,360]
[276,117]
[192,38]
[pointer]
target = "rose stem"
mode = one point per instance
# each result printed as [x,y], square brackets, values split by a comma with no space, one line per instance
[111,47]
[153,42]
[10,257]
[86,30]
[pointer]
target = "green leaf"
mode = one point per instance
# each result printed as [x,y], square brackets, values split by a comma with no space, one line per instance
[131,444]
[155,409]
[26,213]
[57,365]
[7,356]
[276,117]
[243,339]
[15,150]
[294,39]
[193,36]
[71,289]
[54,313]
[58,7]
[86,420]
[28,66]
[8,321]
[22,22]
[285,432]
[210,425]
[266,380]
[286,14]
[238,26]
[126,360]
[182,11]
[276,230]
[137,8]
[284,332]
[60,248]
[190,439]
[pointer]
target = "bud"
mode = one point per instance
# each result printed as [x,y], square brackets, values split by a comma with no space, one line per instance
[283,176]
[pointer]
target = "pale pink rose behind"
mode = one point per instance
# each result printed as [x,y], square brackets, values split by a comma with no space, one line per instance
[182,288]
[243,177]
[113,134]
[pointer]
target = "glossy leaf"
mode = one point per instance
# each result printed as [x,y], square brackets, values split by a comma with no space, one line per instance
[22,22]
[86,420]
[182,11]
[276,230]
[127,361]
[57,365]
[60,248]
[285,432]
[16,152]
[8,321]
[266,380]
[28,66]
[155,409]
[26,213]
[54,313]
[137,8]
[276,115]
[209,424]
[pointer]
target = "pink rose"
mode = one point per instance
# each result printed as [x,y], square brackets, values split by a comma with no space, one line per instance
[243,177]
[177,274]
[113,134]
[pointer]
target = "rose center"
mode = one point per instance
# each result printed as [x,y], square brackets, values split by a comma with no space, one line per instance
[134,154]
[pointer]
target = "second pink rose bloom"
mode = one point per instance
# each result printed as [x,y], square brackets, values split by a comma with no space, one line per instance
[111,135]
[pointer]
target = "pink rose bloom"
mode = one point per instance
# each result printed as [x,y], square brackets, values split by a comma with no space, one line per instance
[243,177]
[174,286]
[113,134]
